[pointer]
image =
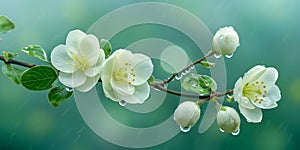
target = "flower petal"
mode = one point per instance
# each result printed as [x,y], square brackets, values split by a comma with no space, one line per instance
[251,115]
[244,102]
[269,101]
[73,39]
[140,95]
[72,80]
[253,74]
[61,60]
[269,76]
[237,91]
[89,48]
[95,69]
[143,70]
[88,84]
[123,88]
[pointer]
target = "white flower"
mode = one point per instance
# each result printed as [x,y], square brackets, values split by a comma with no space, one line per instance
[79,61]
[225,41]
[124,76]
[228,119]
[256,91]
[187,114]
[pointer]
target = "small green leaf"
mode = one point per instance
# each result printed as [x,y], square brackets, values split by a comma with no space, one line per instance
[58,95]
[12,73]
[8,55]
[38,78]
[5,24]
[36,51]
[151,80]
[207,64]
[106,46]
[223,108]
[200,84]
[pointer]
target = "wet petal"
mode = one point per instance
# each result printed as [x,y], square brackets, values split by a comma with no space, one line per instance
[88,84]
[72,80]
[73,39]
[61,60]
[251,115]
[89,48]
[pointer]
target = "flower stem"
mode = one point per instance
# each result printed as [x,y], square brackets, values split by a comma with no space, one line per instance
[16,62]
[210,53]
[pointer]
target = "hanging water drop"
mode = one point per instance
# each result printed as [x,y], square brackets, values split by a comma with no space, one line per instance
[229,96]
[217,55]
[192,67]
[229,56]
[185,129]
[178,76]
[236,132]
[221,130]
[122,103]
[69,89]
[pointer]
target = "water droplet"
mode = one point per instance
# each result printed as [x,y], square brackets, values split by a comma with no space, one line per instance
[194,85]
[69,89]
[178,76]
[229,96]
[185,129]
[183,73]
[217,55]
[192,67]
[221,130]
[236,132]
[229,56]
[238,45]
[122,103]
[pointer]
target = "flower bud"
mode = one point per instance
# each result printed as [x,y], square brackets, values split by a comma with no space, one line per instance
[225,41]
[228,119]
[187,114]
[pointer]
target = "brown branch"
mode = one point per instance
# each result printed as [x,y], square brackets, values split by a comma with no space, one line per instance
[16,62]
[210,53]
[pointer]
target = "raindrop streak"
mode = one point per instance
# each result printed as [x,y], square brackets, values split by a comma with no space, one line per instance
[122,103]
[69,89]
[185,129]
[236,132]
[221,130]
[178,77]
[217,55]
[229,56]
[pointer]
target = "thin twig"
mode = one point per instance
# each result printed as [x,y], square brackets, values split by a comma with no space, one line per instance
[16,62]
[210,53]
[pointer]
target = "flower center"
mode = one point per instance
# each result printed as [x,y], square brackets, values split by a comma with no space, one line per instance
[125,74]
[81,63]
[255,91]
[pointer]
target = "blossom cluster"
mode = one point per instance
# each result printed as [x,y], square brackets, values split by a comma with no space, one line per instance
[81,63]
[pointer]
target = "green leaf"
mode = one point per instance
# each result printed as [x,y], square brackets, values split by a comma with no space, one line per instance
[36,51]
[223,108]
[14,74]
[5,24]
[106,46]
[207,64]
[151,80]
[38,78]
[200,84]
[8,55]
[58,95]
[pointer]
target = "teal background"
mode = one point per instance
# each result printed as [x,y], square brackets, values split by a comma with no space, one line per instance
[269,35]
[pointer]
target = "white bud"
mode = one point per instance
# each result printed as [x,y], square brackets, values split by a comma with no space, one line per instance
[228,119]
[225,41]
[187,114]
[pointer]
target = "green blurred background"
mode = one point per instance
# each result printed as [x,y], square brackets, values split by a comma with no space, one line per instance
[269,35]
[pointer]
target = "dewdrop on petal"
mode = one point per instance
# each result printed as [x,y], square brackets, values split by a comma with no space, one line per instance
[225,41]
[228,120]
[186,115]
